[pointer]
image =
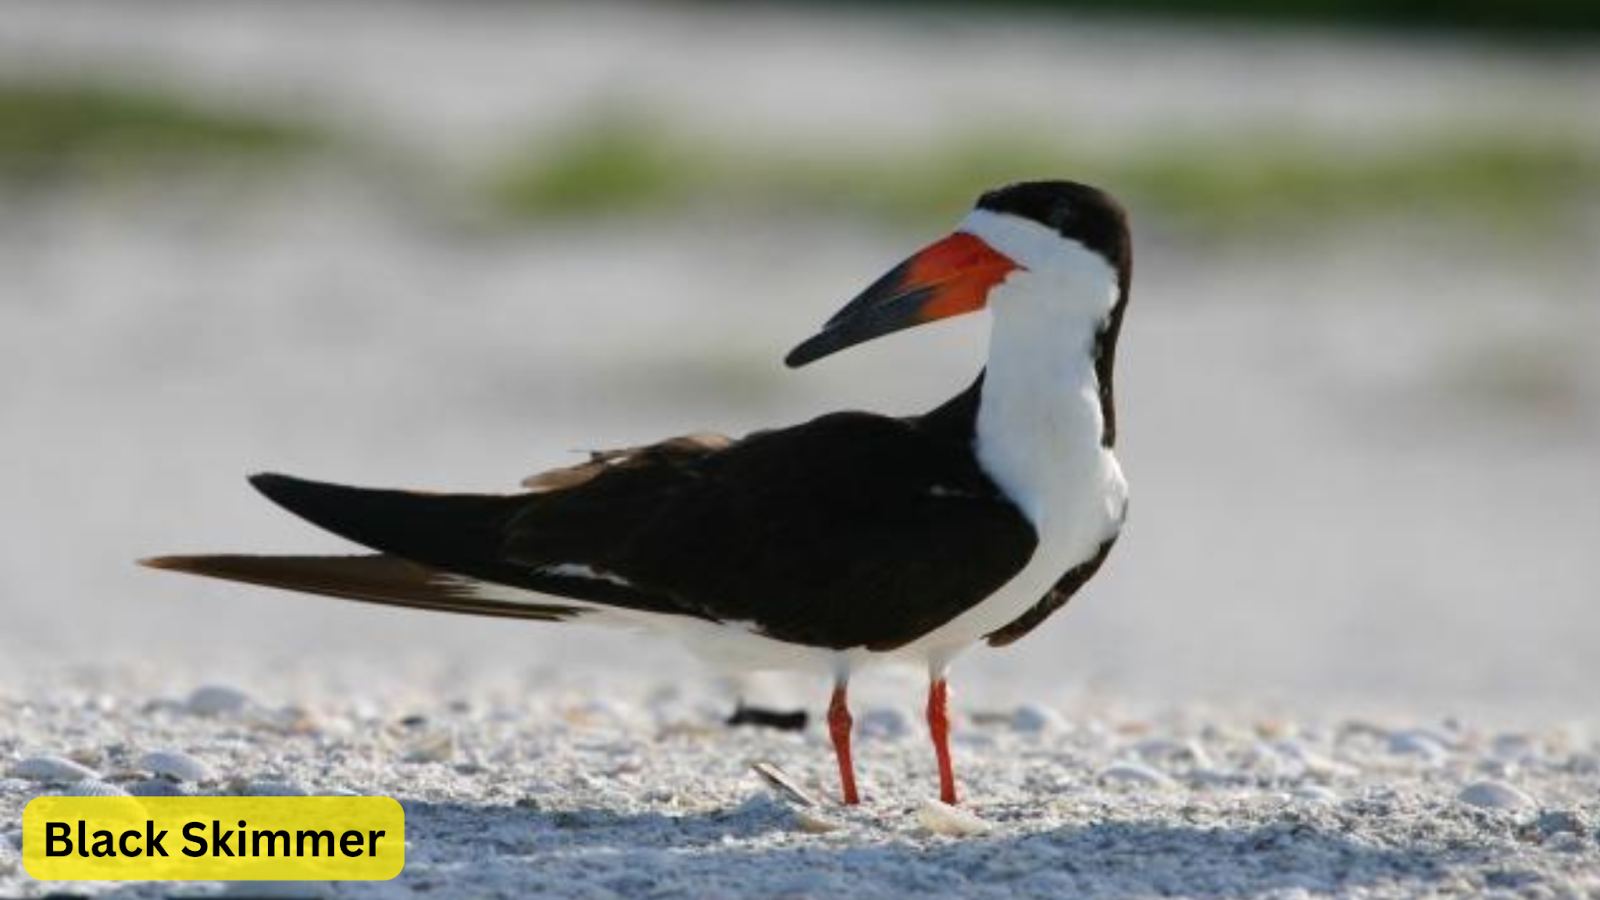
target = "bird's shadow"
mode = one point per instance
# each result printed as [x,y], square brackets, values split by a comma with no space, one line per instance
[755,850]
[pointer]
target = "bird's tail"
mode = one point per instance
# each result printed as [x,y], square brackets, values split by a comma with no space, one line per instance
[377,578]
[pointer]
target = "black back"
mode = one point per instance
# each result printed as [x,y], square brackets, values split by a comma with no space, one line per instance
[837,533]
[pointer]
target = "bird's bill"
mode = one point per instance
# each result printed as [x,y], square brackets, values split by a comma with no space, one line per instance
[947,278]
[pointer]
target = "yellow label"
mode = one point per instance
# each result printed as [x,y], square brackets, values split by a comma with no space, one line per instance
[213,838]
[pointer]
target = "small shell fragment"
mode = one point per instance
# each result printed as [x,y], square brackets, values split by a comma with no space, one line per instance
[784,784]
[1162,750]
[176,766]
[1495,795]
[438,746]
[812,822]
[51,770]
[1135,774]
[951,821]
[216,700]
[1314,793]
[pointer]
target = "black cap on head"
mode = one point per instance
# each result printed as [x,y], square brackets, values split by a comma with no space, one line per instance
[1076,211]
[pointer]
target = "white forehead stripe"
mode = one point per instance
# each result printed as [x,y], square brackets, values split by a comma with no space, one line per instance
[1030,244]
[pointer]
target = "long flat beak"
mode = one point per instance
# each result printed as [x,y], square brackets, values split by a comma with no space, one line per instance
[946,278]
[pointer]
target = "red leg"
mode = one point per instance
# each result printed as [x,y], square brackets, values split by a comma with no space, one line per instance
[939,727]
[839,723]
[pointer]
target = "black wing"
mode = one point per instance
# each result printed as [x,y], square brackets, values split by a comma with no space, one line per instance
[839,533]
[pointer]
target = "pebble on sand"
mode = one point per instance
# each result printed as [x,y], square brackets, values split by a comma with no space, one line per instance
[1495,795]
[51,770]
[1558,822]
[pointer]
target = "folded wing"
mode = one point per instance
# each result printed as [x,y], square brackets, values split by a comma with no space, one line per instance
[835,533]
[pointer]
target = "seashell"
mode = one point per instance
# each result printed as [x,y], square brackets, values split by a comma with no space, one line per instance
[288,720]
[1032,718]
[951,821]
[159,787]
[783,783]
[51,770]
[1298,759]
[1421,744]
[1515,748]
[1135,774]
[812,822]
[89,787]
[216,700]
[176,766]
[1495,795]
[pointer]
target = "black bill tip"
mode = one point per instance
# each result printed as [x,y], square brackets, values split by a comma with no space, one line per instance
[812,349]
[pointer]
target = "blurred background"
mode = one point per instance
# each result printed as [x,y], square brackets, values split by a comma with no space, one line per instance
[450,244]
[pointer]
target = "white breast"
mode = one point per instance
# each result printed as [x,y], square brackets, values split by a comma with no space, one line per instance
[1039,422]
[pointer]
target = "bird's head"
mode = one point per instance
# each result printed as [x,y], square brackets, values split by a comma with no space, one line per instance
[1068,239]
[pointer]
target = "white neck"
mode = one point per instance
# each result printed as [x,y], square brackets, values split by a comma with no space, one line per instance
[1039,423]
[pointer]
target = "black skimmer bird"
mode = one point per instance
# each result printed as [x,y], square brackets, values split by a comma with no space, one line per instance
[828,545]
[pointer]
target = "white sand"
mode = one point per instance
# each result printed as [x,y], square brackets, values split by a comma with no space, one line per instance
[639,791]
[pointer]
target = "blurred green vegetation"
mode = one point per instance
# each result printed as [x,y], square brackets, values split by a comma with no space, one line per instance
[1510,181]
[622,163]
[54,131]
[1557,19]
